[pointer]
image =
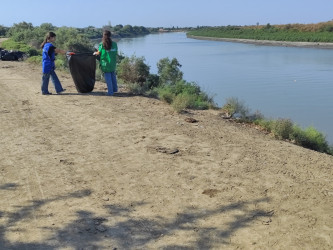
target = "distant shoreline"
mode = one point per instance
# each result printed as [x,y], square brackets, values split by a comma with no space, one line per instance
[319,45]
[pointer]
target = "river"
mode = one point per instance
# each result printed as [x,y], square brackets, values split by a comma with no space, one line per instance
[280,82]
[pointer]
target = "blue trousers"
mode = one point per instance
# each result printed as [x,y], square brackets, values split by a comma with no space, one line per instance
[111,82]
[55,81]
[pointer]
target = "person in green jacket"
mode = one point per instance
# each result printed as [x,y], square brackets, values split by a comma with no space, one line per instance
[107,51]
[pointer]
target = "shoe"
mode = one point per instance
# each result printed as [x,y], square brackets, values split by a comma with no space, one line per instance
[47,93]
[60,92]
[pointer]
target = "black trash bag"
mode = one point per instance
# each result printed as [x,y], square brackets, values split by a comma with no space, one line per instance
[6,55]
[83,69]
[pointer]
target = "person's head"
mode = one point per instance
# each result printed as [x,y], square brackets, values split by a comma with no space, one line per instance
[106,40]
[50,37]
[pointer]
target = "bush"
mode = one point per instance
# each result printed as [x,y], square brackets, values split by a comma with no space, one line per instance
[10,44]
[182,86]
[183,101]
[71,40]
[99,73]
[3,31]
[169,71]
[185,95]
[234,106]
[35,60]
[153,81]
[181,94]
[61,63]
[133,70]
[282,128]
[265,124]
[310,138]
[137,89]
[203,102]
[165,94]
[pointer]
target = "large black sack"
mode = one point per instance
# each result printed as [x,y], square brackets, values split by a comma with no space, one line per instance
[6,55]
[83,69]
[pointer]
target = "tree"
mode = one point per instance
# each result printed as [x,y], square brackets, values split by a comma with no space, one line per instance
[118,27]
[268,26]
[127,29]
[3,30]
[70,39]
[47,27]
[20,27]
[169,71]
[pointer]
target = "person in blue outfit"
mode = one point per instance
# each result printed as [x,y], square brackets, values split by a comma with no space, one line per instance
[49,51]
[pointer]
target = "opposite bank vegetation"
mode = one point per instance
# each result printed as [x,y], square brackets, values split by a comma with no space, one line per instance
[168,84]
[320,32]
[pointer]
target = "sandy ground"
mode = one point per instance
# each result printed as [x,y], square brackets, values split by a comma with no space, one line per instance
[88,171]
[318,45]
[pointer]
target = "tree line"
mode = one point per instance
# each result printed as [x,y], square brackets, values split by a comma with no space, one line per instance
[68,38]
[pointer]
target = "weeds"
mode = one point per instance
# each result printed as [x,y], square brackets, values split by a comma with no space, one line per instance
[285,129]
[310,138]
[184,95]
[282,128]
[234,106]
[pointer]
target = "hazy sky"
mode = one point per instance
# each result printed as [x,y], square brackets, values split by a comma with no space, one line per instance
[164,13]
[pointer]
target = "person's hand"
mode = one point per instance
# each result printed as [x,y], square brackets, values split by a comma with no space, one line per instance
[95,53]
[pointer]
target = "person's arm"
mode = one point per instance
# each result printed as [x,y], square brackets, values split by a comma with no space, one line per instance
[60,51]
[98,51]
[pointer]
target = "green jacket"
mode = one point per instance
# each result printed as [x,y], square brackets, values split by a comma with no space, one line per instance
[108,59]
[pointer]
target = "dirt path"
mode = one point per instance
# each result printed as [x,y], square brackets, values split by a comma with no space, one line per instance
[2,39]
[88,171]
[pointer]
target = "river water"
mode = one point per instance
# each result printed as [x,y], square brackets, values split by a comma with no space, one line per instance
[280,82]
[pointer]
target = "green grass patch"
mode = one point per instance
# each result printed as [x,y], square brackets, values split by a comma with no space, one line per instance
[12,45]
[35,60]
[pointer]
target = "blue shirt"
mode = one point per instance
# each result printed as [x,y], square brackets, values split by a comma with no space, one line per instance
[48,58]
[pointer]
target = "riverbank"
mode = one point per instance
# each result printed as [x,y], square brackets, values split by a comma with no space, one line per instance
[127,172]
[268,42]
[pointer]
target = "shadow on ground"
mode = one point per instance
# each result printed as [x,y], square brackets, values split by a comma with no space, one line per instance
[122,229]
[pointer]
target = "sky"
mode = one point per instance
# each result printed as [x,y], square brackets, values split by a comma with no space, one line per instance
[164,13]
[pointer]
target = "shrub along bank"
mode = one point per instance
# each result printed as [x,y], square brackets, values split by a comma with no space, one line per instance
[168,85]
[282,129]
